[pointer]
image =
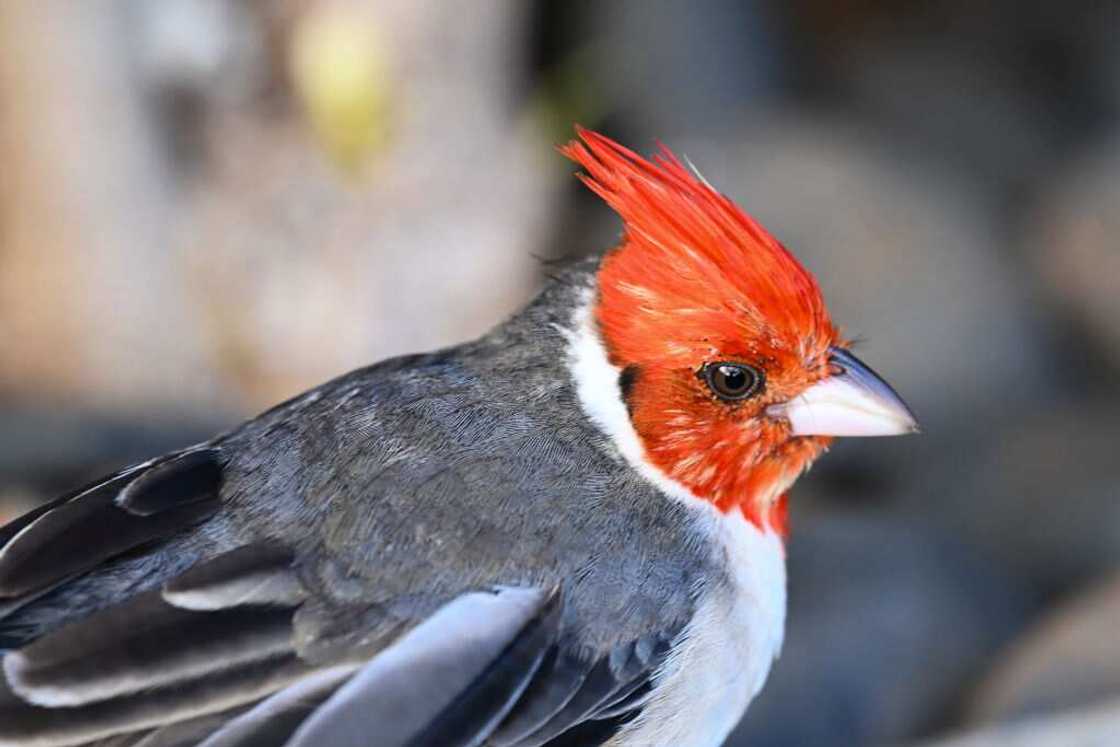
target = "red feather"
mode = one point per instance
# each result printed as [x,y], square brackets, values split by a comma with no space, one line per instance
[696,280]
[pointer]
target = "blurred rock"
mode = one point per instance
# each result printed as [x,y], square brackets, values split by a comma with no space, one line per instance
[1073,238]
[1037,490]
[46,450]
[192,57]
[1090,34]
[1087,727]
[887,620]
[954,99]
[1069,659]
[700,64]
[1104,28]
[208,48]
[303,272]
[1001,88]
[129,280]
[91,300]
[15,500]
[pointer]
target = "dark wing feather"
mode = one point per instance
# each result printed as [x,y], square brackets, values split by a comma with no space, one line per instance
[217,653]
[143,643]
[253,574]
[557,682]
[600,681]
[486,669]
[592,733]
[72,536]
[192,477]
[605,692]
[636,677]
[150,708]
[493,694]
[448,681]
[275,719]
[151,671]
[189,733]
[146,663]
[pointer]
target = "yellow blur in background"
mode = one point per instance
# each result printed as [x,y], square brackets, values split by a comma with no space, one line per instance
[341,77]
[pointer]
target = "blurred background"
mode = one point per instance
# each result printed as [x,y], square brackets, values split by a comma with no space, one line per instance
[209,205]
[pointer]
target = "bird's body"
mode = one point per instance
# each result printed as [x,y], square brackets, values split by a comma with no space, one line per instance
[473,546]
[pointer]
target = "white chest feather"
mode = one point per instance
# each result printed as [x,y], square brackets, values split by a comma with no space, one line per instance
[725,653]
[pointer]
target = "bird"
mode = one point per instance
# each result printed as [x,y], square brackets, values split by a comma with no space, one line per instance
[568,531]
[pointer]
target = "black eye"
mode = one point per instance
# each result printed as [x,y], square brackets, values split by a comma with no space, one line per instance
[732,380]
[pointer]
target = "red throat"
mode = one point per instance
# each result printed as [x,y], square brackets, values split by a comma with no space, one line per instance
[696,279]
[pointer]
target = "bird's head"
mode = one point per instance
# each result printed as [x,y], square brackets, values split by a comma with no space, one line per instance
[733,376]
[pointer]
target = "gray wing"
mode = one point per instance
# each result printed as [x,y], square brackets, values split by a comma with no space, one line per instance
[209,640]
[213,654]
[480,671]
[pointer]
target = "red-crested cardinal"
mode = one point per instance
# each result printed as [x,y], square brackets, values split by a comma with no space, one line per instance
[567,532]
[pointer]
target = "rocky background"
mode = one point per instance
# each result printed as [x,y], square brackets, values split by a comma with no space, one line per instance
[209,205]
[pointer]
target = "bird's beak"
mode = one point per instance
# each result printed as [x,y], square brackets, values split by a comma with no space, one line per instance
[853,401]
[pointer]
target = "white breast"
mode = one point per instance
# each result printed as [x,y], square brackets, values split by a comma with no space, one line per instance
[723,656]
[725,653]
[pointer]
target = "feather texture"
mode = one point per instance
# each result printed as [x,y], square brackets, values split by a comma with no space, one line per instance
[124,649]
[253,574]
[275,719]
[72,536]
[419,689]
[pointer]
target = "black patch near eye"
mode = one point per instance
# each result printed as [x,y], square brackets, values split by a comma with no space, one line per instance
[626,381]
[732,381]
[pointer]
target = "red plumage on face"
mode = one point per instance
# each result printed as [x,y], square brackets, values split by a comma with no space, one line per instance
[696,280]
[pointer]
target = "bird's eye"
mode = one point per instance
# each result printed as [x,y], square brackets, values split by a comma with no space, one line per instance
[732,381]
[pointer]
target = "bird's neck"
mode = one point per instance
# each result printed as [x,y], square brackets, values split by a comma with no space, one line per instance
[761,497]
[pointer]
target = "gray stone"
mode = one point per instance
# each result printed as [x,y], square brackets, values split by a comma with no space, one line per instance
[1069,659]
[1073,243]
[1088,727]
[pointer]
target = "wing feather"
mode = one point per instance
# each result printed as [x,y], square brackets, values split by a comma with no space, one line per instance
[603,695]
[22,724]
[254,574]
[125,649]
[236,651]
[187,733]
[273,720]
[557,682]
[146,663]
[73,536]
[420,685]
[482,706]
[600,681]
